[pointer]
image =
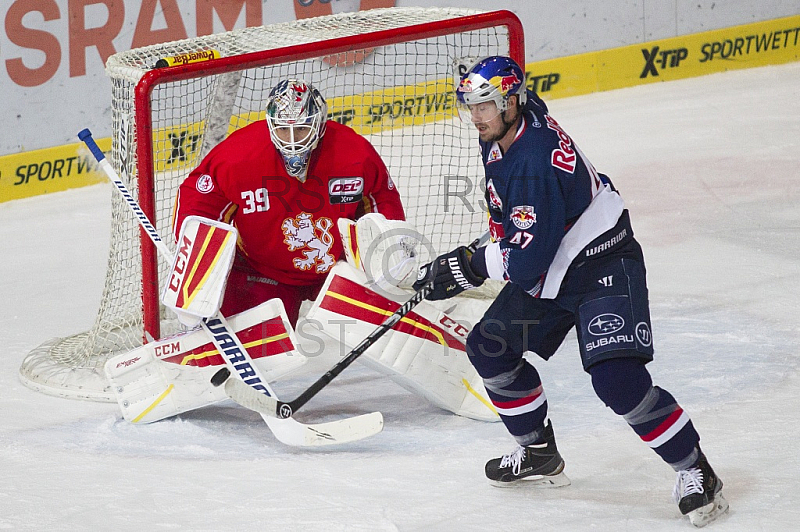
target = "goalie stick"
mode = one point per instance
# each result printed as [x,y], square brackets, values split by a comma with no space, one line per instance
[286,430]
[273,407]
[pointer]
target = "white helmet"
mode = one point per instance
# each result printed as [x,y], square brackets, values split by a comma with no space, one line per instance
[296,116]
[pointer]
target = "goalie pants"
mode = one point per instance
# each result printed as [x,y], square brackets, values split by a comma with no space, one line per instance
[606,299]
[247,288]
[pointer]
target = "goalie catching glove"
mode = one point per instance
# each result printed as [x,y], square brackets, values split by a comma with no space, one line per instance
[383,249]
[450,273]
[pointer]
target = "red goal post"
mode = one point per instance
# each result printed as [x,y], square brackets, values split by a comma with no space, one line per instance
[388,73]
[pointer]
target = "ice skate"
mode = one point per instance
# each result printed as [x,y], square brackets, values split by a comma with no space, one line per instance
[538,465]
[698,494]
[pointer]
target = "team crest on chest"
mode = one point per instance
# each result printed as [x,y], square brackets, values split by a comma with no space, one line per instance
[313,237]
[523,216]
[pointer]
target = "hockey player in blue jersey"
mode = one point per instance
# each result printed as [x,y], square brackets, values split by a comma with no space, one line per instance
[563,240]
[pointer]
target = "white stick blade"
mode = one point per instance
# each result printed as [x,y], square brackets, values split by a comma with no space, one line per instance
[294,433]
[291,432]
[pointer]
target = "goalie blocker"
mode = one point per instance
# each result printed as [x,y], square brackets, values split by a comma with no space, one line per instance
[200,268]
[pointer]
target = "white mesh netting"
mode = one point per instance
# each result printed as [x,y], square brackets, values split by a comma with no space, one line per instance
[399,95]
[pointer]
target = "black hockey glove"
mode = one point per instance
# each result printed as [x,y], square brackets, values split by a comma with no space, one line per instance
[451,274]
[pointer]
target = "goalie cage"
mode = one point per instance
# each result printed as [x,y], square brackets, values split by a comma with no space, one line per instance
[388,73]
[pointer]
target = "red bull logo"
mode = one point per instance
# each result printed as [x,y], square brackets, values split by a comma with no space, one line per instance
[523,216]
[505,83]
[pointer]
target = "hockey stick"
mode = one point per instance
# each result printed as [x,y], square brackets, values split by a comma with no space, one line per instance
[288,431]
[272,406]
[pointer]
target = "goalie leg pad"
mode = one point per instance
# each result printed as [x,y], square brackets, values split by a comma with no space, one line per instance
[172,376]
[424,353]
[149,390]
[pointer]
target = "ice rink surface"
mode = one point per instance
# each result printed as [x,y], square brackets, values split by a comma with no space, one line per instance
[710,170]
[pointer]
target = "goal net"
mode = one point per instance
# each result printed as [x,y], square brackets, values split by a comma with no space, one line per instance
[387,73]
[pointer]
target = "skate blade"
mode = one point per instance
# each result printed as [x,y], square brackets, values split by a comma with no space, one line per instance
[535,481]
[710,512]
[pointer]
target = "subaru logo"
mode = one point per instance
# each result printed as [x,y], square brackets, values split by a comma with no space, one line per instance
[605,324]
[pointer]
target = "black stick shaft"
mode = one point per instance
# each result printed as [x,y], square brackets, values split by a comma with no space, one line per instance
[286,409]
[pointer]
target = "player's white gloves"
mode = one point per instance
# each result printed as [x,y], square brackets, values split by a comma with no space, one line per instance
[451,274]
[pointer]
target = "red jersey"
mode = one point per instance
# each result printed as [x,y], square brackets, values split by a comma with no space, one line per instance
[288,229]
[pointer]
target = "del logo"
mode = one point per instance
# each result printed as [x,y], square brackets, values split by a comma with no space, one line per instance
[523,216]
[345,189]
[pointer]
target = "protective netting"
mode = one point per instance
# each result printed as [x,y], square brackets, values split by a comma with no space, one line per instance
[399,95]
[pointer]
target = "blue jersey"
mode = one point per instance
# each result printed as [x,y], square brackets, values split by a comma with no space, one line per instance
[537,192]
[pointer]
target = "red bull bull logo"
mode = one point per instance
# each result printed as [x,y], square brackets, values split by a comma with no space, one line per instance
[505,83]
[523,216]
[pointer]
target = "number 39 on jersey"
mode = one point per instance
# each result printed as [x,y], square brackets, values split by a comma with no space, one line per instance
[255,200]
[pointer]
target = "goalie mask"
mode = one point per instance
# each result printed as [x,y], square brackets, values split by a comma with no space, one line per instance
[296,116]
[487,86]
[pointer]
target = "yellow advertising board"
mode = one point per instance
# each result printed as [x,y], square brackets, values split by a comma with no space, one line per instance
[751,45]
[49,170]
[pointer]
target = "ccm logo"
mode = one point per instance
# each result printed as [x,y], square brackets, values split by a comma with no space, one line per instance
[181,260]
[452,325]
[167,349]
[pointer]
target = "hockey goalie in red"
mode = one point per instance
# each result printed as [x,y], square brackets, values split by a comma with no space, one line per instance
[284,182]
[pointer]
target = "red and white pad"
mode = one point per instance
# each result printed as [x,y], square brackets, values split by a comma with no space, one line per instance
[199,272]
[170,376]
[424,353]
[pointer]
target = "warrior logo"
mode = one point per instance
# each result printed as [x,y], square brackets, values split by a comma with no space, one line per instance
[523,216]
[303,234]
[643,334]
